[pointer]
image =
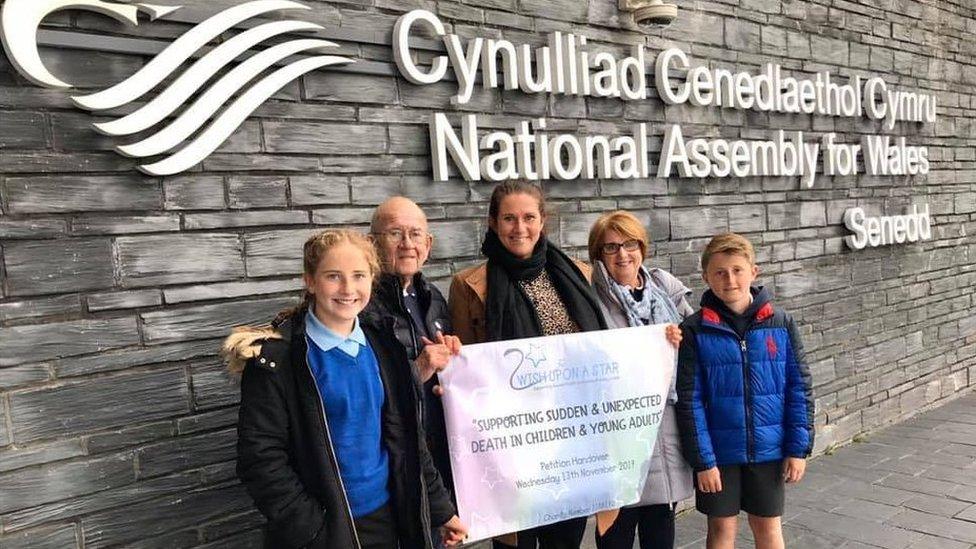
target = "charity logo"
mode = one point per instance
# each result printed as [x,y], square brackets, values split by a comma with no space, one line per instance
[177,142]
[531,368]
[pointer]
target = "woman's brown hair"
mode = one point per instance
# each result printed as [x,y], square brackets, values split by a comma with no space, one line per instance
[514,187]
[620,221]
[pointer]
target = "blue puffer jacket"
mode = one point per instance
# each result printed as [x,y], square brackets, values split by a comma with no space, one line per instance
[743,399]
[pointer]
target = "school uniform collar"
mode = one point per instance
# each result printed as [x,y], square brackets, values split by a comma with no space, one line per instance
[326,339]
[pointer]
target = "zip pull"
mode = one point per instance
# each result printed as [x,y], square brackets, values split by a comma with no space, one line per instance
[742,345]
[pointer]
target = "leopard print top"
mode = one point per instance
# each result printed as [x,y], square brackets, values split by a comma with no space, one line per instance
[550,308]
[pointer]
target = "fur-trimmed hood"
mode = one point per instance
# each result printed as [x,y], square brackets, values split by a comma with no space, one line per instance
[244,343]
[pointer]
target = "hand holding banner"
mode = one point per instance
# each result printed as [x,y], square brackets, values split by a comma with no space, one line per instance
[550,428]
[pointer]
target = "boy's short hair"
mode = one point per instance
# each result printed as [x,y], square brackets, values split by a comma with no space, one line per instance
[728,243]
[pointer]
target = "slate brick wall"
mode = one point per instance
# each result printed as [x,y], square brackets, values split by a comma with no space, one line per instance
[116,418]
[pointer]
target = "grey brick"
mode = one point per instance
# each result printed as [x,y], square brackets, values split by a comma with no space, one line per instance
[221,220]
[440,95]
[16,458]
[225,290]
[23,130]
[187,452]
[342,216]
[829,50]
[313,190]
[324,138]
[32,228]
[150,260]
[351,88]
[151,518]
[374,189]
[275,252]
[812,214]
[62,305]
[123,300]
[747,218]
[704,221]
[208,421]
[58,266]
[244,192]
[742,35]
[409,140]
[17,161]
[56,537]
[564,10]
[23,375]
[196,192]
[135,397]
[33,343]
[456,239]
[784,215]
[207,321]
[574,229]
[74,193]
[33,486]
[127,224]
[129,436]
[213,387]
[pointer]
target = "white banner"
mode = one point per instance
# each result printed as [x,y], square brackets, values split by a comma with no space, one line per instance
[551,428]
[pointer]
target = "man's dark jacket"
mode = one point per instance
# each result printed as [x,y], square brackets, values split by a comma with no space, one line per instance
[387,303]
[286,459]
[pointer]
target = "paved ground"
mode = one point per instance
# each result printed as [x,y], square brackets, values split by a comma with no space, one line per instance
[908,486]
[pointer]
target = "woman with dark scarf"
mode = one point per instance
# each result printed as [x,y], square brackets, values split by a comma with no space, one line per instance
[527,288]
[633,295]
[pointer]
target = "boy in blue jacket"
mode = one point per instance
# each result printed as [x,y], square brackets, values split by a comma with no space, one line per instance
[745,400]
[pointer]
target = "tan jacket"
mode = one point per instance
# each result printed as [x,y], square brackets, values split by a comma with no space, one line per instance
[469,288]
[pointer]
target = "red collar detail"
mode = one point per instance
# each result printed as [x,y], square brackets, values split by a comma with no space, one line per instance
[710,316]
[764,312]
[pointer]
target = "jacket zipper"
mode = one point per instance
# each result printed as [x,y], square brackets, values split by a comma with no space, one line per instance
[403,310]
[335,461]
[746,401]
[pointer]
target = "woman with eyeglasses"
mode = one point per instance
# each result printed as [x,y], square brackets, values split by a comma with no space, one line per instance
[633,295]
[527,288]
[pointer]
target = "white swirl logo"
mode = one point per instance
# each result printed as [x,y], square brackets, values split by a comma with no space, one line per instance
[18,29]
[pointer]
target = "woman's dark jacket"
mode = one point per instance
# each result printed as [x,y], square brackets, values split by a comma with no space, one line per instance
[387,303]
[285,457]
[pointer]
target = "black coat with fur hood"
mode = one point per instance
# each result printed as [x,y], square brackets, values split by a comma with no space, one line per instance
[285,457]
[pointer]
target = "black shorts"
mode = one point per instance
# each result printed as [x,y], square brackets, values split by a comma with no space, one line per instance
[757,489]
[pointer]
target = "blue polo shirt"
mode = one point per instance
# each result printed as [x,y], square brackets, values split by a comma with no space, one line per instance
[348,378]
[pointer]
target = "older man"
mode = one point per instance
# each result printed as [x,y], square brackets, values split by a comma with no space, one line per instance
[415,308]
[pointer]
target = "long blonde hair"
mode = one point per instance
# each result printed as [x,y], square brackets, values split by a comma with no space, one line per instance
[315,249]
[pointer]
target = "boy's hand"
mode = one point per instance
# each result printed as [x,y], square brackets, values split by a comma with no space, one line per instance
[793,469]
[710,481]
[453,532]
[673,333]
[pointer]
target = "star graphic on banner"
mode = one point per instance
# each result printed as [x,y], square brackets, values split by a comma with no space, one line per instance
[491,477]
[535,355]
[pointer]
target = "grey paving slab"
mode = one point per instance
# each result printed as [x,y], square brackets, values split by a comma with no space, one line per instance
[909,486]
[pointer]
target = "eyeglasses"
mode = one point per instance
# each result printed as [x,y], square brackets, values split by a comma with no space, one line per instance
[611,248]
[396,236]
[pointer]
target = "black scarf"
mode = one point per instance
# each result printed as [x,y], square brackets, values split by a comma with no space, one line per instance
[508,312]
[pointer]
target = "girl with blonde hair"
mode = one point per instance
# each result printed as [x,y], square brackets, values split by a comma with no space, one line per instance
[330,444]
